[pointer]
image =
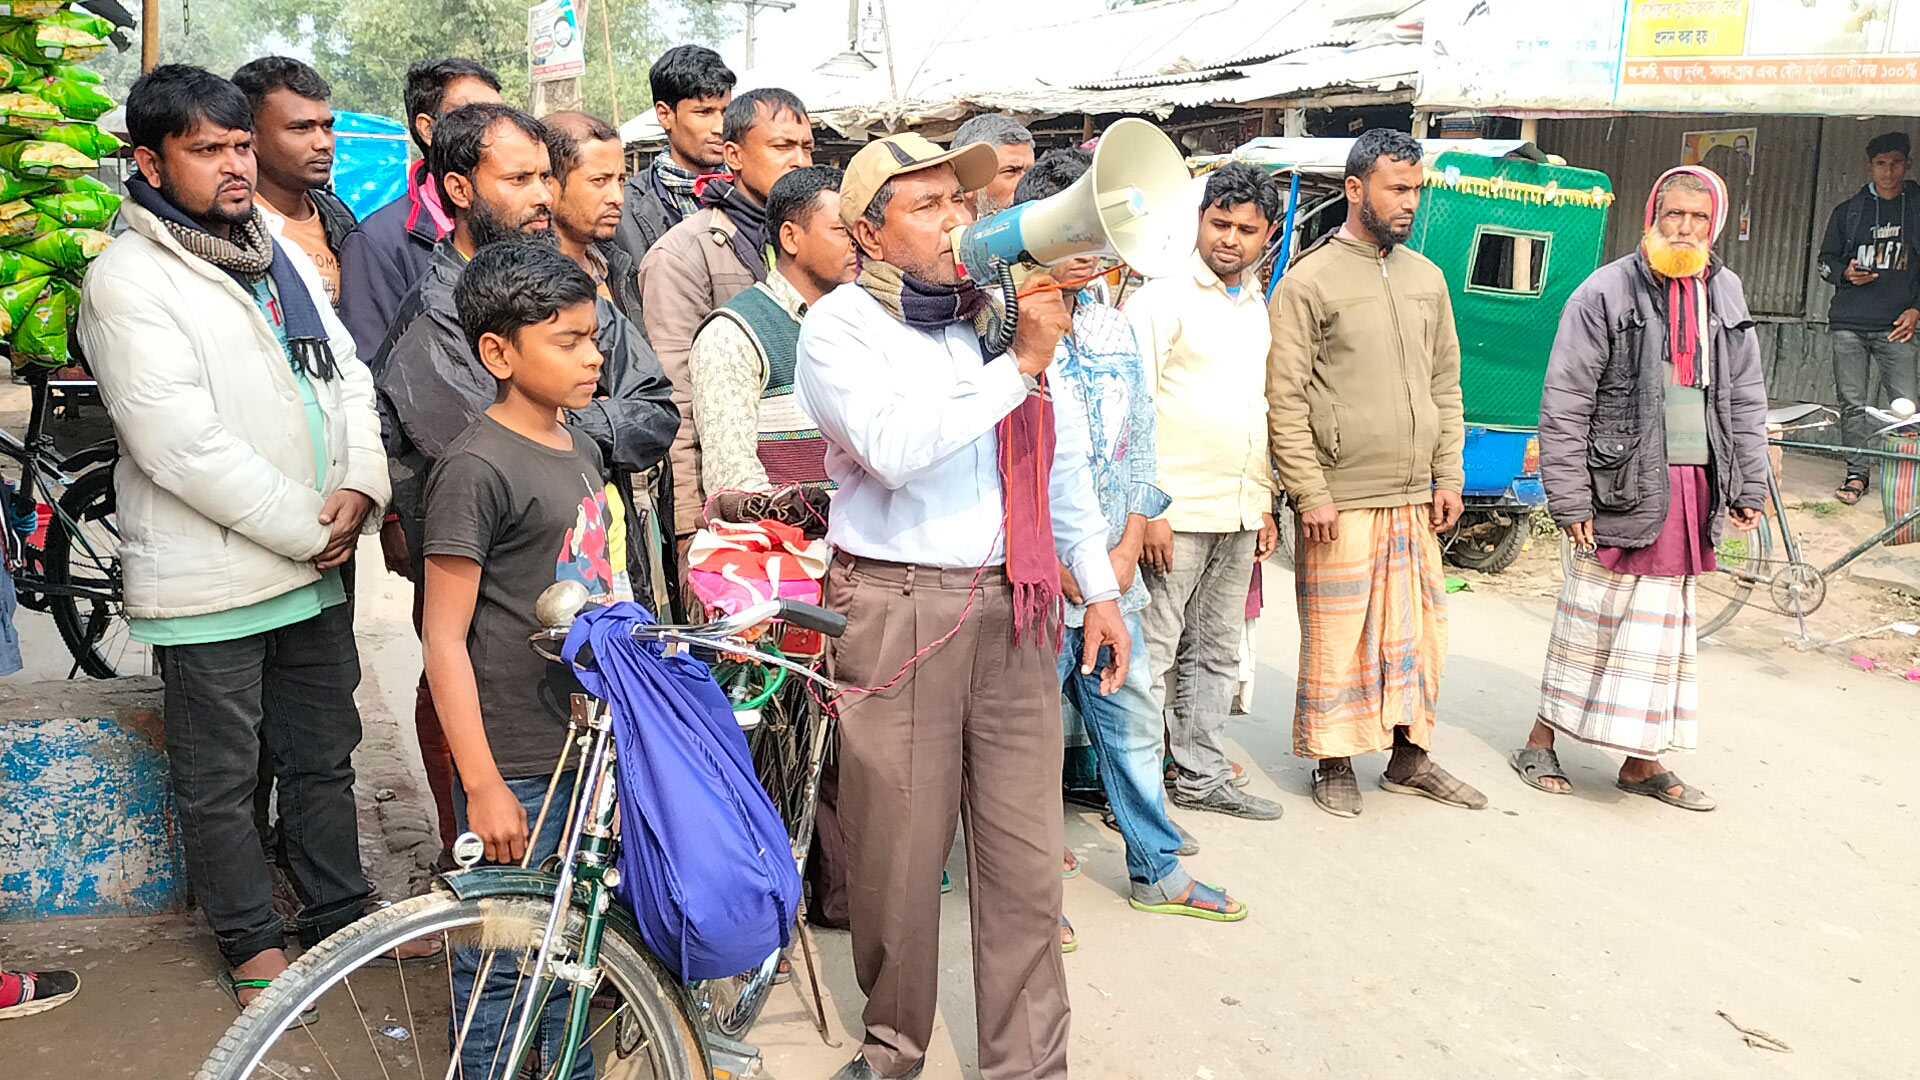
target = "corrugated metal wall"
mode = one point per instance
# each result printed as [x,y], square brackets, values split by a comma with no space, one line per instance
[1775,260]
[1803,168]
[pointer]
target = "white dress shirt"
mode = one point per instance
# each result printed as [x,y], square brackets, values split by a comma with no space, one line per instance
[909,419]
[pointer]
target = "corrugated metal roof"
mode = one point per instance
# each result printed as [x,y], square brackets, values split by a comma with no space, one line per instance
[1015,56]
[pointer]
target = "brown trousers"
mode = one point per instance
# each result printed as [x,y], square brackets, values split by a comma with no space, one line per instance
[971,731]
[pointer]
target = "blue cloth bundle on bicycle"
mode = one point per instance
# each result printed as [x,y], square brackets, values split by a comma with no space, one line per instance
[704,858]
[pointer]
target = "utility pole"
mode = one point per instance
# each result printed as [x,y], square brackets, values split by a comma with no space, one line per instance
[753,7]
[149,35]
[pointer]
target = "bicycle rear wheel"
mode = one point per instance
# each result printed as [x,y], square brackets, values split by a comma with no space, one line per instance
[382,1021]
[1743,561]
[83,555]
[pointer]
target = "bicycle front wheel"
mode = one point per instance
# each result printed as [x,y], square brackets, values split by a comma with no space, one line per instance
[1744,559]
[374,1019]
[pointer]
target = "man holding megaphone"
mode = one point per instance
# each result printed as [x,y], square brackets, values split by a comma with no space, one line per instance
[963,488]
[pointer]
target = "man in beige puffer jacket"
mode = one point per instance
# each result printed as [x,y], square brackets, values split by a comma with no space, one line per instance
[1364,422]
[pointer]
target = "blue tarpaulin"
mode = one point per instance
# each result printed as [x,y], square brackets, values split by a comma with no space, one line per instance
[369,161]
[704,858]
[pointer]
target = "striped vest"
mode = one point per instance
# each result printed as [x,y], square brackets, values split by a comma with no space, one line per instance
[790,446]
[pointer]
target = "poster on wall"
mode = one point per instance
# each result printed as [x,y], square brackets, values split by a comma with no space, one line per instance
[1832,57]
[1729,153]
[555,49]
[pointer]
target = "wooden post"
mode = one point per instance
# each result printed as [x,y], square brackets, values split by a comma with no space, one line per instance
[1530,130]
[149,35]
[1086,127]
[1419,125]
[1266,123]
[1293,123]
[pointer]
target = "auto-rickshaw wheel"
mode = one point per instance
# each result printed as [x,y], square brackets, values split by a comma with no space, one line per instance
[1485,540]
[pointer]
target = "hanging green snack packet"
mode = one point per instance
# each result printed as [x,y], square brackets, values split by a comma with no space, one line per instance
[13,187]
[13,72]
[67,250]
[46,41]
[32,9]
[80,209]
[26,116]
[41,335]
[15,267]
[38,160]
[71,92]
[84,21]
[21,221]
[75,184]
[16,298]
[86,138]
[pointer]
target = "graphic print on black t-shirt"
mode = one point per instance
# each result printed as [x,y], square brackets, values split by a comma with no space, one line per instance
[530,515]
[1885,249]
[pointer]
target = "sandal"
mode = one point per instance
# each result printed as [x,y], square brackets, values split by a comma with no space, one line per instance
[1851,489]
[1439,785]
[1690,797]
[1203,902]
[1073,867]
[1538,763]
[1072,941]
[1337,791]
[233,987]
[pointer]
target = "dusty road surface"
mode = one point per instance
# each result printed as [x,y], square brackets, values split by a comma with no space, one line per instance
[1596,935]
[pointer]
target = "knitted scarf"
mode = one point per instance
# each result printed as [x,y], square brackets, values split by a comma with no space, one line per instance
[675,186]
[1687,297]
[749,221]
[247,255]
[1026,443]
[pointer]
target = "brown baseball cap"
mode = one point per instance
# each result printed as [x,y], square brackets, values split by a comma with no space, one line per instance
[883,159]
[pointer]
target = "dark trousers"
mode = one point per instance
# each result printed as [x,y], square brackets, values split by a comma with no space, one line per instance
[293,689]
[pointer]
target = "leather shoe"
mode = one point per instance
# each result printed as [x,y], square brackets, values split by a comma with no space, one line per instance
[858,1069]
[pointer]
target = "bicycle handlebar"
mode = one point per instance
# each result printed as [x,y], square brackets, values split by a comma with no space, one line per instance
[813,617]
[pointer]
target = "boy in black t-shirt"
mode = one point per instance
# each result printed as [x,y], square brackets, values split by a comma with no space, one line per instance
[518,501]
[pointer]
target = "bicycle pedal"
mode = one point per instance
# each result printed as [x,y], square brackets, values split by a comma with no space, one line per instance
[732,1060]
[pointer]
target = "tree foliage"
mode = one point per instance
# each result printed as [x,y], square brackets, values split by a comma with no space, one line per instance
[363,47]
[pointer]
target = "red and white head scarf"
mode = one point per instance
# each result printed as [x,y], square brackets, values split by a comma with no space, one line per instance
[1686,297]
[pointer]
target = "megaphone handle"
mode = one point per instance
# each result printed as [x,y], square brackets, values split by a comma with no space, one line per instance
[1001,338]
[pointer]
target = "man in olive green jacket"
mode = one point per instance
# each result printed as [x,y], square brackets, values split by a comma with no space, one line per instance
[1364,422]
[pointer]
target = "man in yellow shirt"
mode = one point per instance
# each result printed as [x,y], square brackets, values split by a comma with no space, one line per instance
[1205,335]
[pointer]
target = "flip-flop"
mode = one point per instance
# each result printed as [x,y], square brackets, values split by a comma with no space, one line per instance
[1538,763]
[946,883]
[1072,944]
[1074,872]
[1655,787]
[388,959]
[1204,902]
[233,987]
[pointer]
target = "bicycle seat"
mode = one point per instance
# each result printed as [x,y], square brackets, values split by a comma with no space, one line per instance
[1792,414]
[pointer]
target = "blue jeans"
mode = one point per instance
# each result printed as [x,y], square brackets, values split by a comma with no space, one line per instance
[1125,727]
[497,1015]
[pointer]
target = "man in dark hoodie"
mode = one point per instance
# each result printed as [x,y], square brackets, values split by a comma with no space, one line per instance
[491,164]
[380,261]
[1867,258]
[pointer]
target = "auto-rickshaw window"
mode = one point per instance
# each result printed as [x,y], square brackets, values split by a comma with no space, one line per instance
[1508,261]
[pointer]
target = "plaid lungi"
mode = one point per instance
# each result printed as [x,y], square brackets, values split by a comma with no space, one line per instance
[1620,662]
[1373,633]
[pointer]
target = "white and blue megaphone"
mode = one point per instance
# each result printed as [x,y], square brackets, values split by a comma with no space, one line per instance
[1133,204]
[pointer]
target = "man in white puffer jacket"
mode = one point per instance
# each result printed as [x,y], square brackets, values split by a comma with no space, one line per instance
[250,463]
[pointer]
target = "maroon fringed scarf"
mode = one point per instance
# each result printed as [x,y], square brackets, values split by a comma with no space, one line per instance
[1026,443]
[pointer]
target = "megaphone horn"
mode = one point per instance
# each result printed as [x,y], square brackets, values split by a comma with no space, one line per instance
[1121,208]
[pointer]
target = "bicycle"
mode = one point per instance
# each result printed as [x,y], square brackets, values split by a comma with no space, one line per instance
[789,730]
[75,574]
[1745,560]
[558,924]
